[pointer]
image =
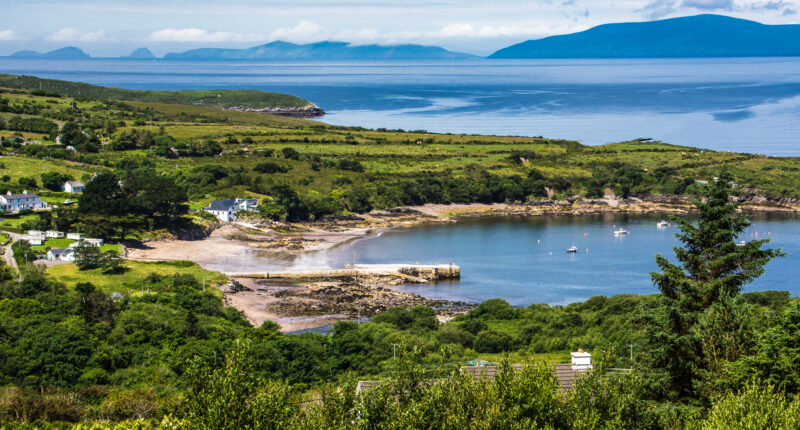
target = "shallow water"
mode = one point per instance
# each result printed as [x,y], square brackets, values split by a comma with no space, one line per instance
[733,104]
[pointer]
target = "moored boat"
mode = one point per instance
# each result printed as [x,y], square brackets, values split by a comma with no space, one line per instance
[572,250]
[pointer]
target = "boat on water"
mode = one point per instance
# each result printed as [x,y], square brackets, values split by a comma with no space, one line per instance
[572,250]
[662,224]
[620,232]
[741,243]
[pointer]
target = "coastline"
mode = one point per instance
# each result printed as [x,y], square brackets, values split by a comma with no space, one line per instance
[304,303]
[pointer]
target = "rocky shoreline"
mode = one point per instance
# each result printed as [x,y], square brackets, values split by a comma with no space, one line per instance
[308,111]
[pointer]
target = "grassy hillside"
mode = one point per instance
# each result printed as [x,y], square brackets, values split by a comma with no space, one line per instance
[214,98]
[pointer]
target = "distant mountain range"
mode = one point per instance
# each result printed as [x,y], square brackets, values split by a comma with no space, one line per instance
[70,52]
[685,37]
[320,51]
[691,36]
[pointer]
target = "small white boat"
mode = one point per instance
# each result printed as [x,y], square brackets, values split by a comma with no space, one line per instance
[620,232]
[572,250]
[662,224]
[741,243]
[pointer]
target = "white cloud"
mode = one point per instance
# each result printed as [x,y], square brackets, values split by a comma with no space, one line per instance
[6,35]
[200,35]
[658,9]
[73,35]
[304,31]
[709,4]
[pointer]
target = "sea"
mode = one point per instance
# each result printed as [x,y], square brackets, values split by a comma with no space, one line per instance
[747,105]
[726,104]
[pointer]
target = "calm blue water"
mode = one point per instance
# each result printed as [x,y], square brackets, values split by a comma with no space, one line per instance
[734,104]
[523,260]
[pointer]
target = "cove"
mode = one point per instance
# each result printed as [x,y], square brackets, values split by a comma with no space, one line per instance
[523,259]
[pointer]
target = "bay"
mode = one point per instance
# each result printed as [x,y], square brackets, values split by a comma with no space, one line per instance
[727,104]
[523,259]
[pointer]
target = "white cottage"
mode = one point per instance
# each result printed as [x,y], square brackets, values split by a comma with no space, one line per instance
[60,254]
[247,204]
[224,210]
[72,187]
[53,234]
[36,233]
[16,202]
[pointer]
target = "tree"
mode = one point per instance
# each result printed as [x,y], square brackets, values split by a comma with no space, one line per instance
[700,324]
[54,180]
[87,256]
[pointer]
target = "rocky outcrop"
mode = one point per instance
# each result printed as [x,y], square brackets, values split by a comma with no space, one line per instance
[307,111]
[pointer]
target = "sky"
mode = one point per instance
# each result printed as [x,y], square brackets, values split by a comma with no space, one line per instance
[112,28]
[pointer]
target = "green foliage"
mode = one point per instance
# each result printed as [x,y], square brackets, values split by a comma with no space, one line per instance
[492,341]
[756,407]
[53,181]
[701,322]
[270,167]
[231,396]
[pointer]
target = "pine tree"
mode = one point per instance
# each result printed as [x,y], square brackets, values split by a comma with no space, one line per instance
[701,322]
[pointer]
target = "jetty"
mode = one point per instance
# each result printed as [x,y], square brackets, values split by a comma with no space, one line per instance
[416,273]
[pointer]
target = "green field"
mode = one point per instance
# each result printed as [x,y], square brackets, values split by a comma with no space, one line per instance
[132,280]
[216,98]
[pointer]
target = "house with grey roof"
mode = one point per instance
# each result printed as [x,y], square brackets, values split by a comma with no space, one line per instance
[61,254]
[72,187]
[16,202]
[226,210]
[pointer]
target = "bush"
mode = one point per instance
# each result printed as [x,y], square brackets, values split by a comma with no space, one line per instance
[492,342]
[757,407]
[453,334]
[494,308]
[474,326]
[290,153]
[270,167]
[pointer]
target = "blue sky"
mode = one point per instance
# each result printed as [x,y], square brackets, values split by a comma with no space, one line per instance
[115,27]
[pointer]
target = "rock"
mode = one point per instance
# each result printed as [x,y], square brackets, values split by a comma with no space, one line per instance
[311,110]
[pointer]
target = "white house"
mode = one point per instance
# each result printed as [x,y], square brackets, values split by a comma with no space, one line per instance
[224,210]
[54,234]
[581,360]
[17,202]
[75,236]
[59,254]
[72,187]
[247,204]
[36,233]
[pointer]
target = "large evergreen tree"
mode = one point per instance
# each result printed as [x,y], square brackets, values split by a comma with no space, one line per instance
[701,322]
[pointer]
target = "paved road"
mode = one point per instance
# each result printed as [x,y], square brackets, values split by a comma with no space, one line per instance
[8,255]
